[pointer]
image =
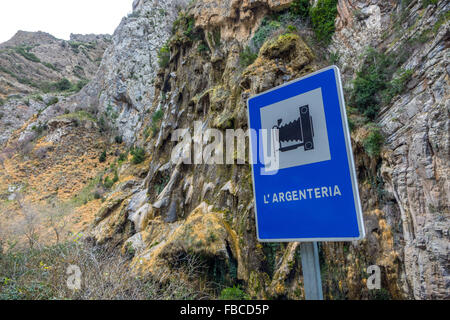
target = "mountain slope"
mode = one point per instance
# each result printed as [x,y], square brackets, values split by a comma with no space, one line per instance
[31,60]
[174,65]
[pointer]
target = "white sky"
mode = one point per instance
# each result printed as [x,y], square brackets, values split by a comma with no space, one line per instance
[61,17]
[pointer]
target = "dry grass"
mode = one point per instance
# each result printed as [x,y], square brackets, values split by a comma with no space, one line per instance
[41,273]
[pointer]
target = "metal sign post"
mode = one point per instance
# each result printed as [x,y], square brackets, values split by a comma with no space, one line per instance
[311,271]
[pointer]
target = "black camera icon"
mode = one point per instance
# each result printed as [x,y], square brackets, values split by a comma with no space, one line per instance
[300,129]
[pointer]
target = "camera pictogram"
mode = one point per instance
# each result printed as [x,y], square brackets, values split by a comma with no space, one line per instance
[300,131]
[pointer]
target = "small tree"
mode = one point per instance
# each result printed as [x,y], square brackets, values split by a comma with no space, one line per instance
[138,155]
[102,157]
[31,221]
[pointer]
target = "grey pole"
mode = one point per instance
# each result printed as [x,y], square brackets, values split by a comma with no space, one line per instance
[311,270]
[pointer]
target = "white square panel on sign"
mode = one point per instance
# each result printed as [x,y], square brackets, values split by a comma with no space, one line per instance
[302,128]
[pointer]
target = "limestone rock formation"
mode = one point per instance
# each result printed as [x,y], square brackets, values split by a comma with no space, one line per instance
[159,211]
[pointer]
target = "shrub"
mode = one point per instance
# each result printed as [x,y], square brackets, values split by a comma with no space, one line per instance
[118,139]
[203,47]
[164,56]
[103,126]
[300,8]
[123,157]
[138,155]
[80,85]
[40,128]
[370,79]
[108,183]
[63,85]
[156,118]
[25,52]
[234,293]
[50,66]
[158,115]
[322,19]
[102,157]
[247,57]
[426,3]
[116,176]
[396,85]
[266,29]
[189,27]
[374,85]
[373,142]
[97,194]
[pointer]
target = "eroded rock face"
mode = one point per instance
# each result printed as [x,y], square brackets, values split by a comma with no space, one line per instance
[407,225]
[124,86]
[163,210]
[415,167]
[236,19]
[30,59]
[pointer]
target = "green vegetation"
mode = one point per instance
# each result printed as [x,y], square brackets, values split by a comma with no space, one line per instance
[268,26]
[161,183]
[25,52]
[118,139]
[63,85]
[138,155]
[374,84]
[108,183]
[50,66]
[443,18]
[83,45]
[247,57]
[52,101]
[80,85]
[87,193]
[189,27]
[396,85]
[234,293]
[153,129]
[203,47]
[270,251]
[300,8]
[334,57]
[322,19]
[164,56]
[373,142]
[102,157]
[78,115]
[40,128]
[123,157]
[426,3]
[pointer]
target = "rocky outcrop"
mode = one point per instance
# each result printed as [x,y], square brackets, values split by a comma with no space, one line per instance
[414,167]
[30,60]
[161,211]
[124,85]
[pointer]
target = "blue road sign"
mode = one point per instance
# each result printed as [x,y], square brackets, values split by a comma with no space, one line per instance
[304,180]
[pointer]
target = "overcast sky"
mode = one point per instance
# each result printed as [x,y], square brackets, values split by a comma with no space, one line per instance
[61,17]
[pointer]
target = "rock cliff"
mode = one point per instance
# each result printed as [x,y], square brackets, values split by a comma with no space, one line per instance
[179,64]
